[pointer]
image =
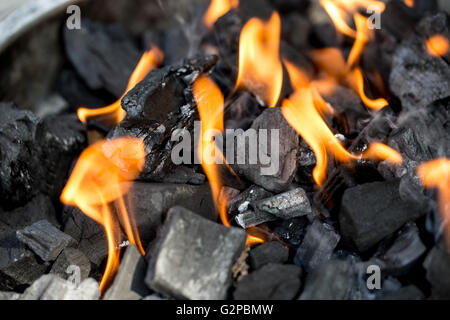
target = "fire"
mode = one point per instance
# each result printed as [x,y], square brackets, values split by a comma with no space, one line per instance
[357,79]
[304,116]
[437,45]
[97,181]
[216,9]
[340,11]
[210,104]
[436,174]
[409,3]
[114,112]
[260,68]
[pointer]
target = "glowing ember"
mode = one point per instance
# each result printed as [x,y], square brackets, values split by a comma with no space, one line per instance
[216,9]
[437,45]
[409,3]
[96,182]
[113,114]
[260,68]
[436,174]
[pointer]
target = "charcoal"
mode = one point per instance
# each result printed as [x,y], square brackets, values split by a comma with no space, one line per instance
[271,282]
[89,235]
[185,175]
[295,30]
[410,292]
[103,55]
[317,245]
[437,265]
[18,265]
[287,205]
[9,296]
[242,202]
[417,78]
[287,6]
[291,231]
[45,240]
[159,105]
[51,287]
[241,111]
[150,201]
[129,281]
[154,297]
[39,208]
[250,218]
[287,156]
[261,9]
[333,280]
[18,161]
[61,139]
[270,252]
[372,211]
[404,252]
[435,24]
[69,258]
[228,194]
[193,257]
[51,105]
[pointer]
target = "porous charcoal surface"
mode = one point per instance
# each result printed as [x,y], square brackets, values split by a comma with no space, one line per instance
[270,252]
[71,262]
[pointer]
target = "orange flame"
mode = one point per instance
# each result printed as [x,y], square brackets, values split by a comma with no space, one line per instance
[210,104]
[409,3]
[302,114]
[357,80]
[260,68]
[436,174]
[437,45]
[96,182]
[114,112]
[216,9]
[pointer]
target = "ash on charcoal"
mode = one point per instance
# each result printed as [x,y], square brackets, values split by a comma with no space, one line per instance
[410,292]
[45,240]
[193,257]
[18,157]
[18,266]
[251,218]
[103,55]
[286,157]
[406,250]
[333,280]
[150,201]
[157,107]
[372,211]
[270,252]
[317,246]
[129,281]
[39,208]
[185,175]
[245,199]
[9,296]
[271,282]
[418,78]
[61,139]
[67,260]
[287,205]
[437,265]
[51,287]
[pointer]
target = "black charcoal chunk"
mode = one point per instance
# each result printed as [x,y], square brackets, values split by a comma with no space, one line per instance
[418,78]
[437,265]
[270,252]
[317,246]
[19,163]
[103,55]
[410,292]
[52,287]
[45,240]
[333,280]
[271,282]
[192,258]
[149,202]
[372,211]
[251,218]
[60,139]
[18,265]
[72,263]
[406,250]
[276,161]
[435,24]
[287,205]
[241,111]
[245,199]
[185,175]
[291,231]
[159,106]
[129,281]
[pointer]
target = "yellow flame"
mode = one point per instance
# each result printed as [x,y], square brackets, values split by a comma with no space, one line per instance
[437,45]
[96,182]
[260,68]
[216,9]
[114,114]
